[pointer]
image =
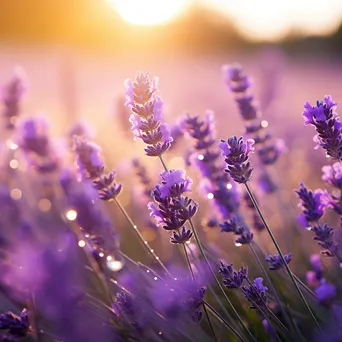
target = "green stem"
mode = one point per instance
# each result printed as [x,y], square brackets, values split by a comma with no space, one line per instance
[263,270]
[141,238]
[304,286]
[282,257]
[163,163]
[217,281]
[209,322]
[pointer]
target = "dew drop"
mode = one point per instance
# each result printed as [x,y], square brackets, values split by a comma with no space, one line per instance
[238,244]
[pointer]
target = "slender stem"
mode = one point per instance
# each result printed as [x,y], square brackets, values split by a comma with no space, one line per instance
[141,238]
[222,320]
[262,268]
[282,257]
[34,318]
[188,262]
[304,286]
[217,281]
[209,321]
[164,165]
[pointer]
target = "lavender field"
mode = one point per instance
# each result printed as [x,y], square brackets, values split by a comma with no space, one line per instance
[202,206]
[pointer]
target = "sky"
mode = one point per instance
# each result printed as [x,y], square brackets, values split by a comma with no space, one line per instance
[259,20]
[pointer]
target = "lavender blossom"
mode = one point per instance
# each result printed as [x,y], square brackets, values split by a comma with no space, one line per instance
[232,278]
[236,153]
[256,294]
[236,226]
[324,234]
[311,203]
[325,293]
[146,118]
[181,237]
[106,187]
[276,263]
[332,175]
[11,94]
[207,159]
[88,158]
[327,124]
[171,209]
[14,325]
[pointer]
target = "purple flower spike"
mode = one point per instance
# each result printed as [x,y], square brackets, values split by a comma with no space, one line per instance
[311,203]
[174,183]
[256,294]
[328,127]
[88,158]
[232,278]
[324,235]
[146,118]
[332,175]
[326,293]
[237,152]
[275,261]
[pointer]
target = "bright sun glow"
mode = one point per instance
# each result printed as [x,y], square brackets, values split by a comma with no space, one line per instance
[148,12]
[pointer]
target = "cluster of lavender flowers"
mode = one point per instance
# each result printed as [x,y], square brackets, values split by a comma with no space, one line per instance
[87,287]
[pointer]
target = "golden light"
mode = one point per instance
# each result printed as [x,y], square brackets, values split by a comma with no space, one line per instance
[16,194]
[81,243]
[71,215]
[148,12]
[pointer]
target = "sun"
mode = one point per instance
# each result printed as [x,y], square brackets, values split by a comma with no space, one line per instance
[148,12]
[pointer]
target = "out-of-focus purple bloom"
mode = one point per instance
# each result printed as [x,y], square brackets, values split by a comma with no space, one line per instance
[88,158]
[174,183]
[232,278]
[332,175]
[328,127]
[314,277]
[236,153]
[311,203]
[146,118]
[239,83]
[325,293]
[207,159]
[275,262]
[256,294]
[145,180]
[10,96]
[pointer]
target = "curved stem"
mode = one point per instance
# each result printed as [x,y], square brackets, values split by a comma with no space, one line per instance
[217,281]
[282,257]
[141,238]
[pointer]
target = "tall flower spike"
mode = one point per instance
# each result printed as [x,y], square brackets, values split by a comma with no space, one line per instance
[236,153]
[146,117]
[11,94]
[88,158]
[209,163]
[256,294]
[327,124]
[171,208]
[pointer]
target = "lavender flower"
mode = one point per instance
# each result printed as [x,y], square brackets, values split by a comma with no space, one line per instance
[232,278]
[15,326]
[171,209]
[88,158]
[207,159]
[276,262]
[146,115]
[324,234]
[11,94]
[256,294]
[236,153]
[181,237]
[332,175]
[236,226]
[239,83]
[328,127]
[106,187]
[311,203]
[143,177]
[325,293]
